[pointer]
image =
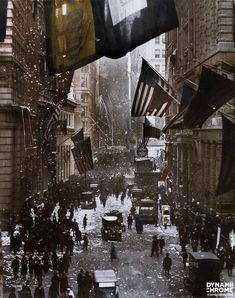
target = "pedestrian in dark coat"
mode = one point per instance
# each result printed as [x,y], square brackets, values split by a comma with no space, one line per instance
[46,262]
[38,271]
[113,253]
[155,247]
[85,221]
[87,285]
[25,292]
[167,262]
[184,257]
[161,244]
[53,292]
[54,261]
[85,241]
[39,291]
[24,266]
[70,246]
[15,265]
[55,282]
[12,293]
[129,221]
[229,265]
[31,263]
[63,284]
[78,236]
[80,282]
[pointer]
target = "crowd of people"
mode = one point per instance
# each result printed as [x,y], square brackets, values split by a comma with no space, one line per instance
[49,231]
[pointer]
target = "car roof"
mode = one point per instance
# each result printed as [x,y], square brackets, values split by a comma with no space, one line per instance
[204,255]
[105,276]
[110,218]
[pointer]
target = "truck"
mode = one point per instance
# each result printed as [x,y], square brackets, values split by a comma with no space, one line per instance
[148,211]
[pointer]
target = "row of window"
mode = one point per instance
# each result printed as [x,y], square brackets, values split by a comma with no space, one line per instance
[160,39]
[70,118]
[159,53]
[160,68]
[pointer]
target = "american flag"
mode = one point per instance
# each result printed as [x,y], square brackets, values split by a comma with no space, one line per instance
[153,94]
[79,136]
[53,120]
[82,153]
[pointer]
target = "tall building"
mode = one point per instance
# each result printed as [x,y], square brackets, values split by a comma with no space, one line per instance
[205,36]
[28,97]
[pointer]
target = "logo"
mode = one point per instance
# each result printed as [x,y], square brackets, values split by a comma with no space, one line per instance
[224,289]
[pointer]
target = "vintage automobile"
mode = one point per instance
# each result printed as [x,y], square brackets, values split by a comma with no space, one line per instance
[105,284]
[111,227]
[166,218]
[148,211]
[87,200]
[137,195]
[201,268]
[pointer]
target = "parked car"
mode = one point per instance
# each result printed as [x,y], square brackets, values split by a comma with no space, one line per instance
[148,211]
[87,200]
[105,284]
[111,228]
[201,268]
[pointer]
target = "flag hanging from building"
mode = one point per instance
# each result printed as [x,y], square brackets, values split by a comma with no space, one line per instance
[78,159]
[150,131]
[86,151]
[153,94]
[82,153]
[53,120]
[226,180]
[79,32]
[187,95]
[3,19]
[78,137]
[213,92]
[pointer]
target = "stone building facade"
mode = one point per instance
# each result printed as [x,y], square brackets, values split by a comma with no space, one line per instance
[27,94]
[205,36]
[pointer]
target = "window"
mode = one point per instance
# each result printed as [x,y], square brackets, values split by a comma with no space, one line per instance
[163,38]
[84,125]
[157,53]
[157,40]
[84,112]
[157,67]
[84,81]
[85,69]
[163,54]
[84,97]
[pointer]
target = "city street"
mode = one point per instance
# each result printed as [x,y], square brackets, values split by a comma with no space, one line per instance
[139,275]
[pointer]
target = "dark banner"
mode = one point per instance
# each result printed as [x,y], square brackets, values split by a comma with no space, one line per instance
[121,26]
[3,19]
[187,96]
[78,137]
[79,32]
[151,99]
[227,171]
[213,92]
[151,132]
[71,41]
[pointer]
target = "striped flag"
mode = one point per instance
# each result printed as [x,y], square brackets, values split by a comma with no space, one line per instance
[153,94]
[3,19]
[79,136]
[78,160]
[149,131]
[79,32]
[82,154]
[53,121]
